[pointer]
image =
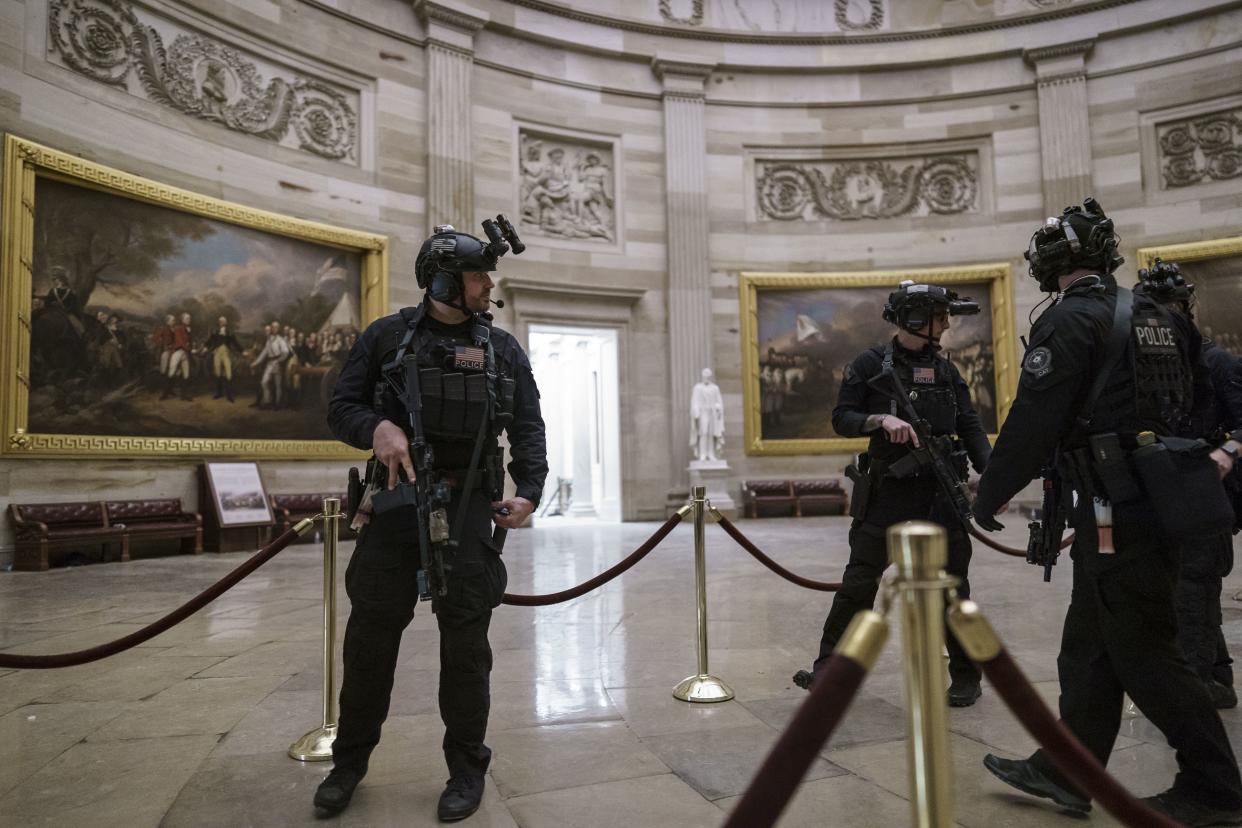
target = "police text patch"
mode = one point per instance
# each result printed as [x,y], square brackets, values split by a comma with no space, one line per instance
[470,358]
[1155,337]
[925,375]
[1038,362]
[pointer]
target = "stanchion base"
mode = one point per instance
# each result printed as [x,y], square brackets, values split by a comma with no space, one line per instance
[315,746]
[702,689]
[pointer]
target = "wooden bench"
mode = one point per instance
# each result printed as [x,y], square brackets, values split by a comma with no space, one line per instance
[793,498]
[288,509]
[42,527]
[157,519]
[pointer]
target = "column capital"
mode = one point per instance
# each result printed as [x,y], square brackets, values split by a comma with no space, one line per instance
[682,76]
[1065,61]
[450,23]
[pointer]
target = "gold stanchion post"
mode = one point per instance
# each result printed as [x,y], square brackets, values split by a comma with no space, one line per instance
[919,550]
[703,687]
[316,746]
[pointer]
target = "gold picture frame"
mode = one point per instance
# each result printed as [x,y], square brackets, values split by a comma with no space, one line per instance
[27,164]
[1214,267]
[997,276]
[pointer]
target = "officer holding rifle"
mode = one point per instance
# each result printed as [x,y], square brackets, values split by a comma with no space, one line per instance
[916,408]
[429,390]
[1106,379]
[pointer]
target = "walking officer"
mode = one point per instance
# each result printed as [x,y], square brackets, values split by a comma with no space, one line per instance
[1205,561]
[435,376]
[881,392]
[1106,378]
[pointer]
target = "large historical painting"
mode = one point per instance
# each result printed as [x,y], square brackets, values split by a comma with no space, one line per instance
[800,331]
[172,322]
[1215,269]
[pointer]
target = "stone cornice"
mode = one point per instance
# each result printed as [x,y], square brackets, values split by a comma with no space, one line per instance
[665,67]
[458,17]
[1078,47]
[601,294]
[804,39]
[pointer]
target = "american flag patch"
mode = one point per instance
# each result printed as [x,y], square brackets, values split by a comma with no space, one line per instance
[468,356]
[925,375]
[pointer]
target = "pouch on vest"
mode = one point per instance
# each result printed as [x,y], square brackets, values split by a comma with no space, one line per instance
[454,404]
[1184,486]
[860,498]
[431,386]
[476,402]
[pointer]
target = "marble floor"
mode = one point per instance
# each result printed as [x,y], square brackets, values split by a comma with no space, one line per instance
[192,727]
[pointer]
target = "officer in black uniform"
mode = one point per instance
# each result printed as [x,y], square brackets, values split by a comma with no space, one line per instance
[1104,375]
[472,374]
[888,487]
[1204,561]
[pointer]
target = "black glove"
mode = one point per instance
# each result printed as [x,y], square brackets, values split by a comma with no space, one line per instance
[989,522]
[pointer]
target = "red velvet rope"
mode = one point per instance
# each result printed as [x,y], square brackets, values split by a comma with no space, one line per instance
[757,554]
[600,579]
[1066,543]
[1066,752]
[773,786]
[44,662]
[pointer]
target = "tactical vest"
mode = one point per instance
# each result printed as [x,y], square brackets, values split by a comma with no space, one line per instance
[930,386]
[1152,386]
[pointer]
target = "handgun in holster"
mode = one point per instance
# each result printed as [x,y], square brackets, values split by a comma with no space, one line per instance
[353,495]
[858,473]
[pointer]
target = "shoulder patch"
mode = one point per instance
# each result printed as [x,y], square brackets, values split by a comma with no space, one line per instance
[1038,362]
[848,373]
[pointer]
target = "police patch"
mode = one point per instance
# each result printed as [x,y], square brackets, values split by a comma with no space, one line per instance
[1038,362]
[848,373]
[470,358]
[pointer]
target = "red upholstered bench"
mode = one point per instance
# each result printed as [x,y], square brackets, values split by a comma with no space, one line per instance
[42,527]
[288,509]
[768,498]
[157,519]
[820,497]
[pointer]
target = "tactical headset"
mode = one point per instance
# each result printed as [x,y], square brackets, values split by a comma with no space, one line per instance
[1079,237]
[1164,282]
[911,305]
[448,254]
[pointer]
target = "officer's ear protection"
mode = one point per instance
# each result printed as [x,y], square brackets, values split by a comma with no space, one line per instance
[445,286]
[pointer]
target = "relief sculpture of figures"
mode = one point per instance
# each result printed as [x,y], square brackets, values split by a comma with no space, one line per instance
[567,189]
[706,419]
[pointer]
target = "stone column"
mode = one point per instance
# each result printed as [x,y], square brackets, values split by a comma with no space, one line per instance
[689,292]
[1064,134]
[451,28]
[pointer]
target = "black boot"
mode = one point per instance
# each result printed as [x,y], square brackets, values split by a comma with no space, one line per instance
[804,679]
[1186,811]
[335,792]
[963,692]
[1023,775]
[461,798]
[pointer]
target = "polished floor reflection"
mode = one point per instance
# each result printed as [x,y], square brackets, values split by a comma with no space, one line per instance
[192,728]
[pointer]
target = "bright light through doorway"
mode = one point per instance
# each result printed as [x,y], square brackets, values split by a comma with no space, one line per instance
[576,369]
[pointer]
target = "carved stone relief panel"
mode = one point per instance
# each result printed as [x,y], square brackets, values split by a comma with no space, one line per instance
[1200,148]
[872,188]
[568,186]
[156,58]
[859,15]
[686,12]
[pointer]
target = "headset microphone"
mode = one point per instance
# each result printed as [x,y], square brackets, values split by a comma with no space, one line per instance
[500,303]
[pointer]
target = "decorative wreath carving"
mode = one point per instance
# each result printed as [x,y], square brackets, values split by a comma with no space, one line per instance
[696,13]
[201,77]
[874,21]
[1204,147]
[874,189]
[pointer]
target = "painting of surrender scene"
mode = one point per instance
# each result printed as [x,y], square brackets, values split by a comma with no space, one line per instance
[148,321]
[806,337]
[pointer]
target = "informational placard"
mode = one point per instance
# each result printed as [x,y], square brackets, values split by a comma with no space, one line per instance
[238,494]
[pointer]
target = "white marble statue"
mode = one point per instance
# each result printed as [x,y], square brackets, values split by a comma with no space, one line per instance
[706,419]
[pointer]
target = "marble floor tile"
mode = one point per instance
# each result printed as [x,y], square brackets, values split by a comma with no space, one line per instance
[36,734]
[517,704]
[843,801]
[278,720]
[134,681]
[661,800]
[194,706]
[254,791]
[654,712]
[414,806]
[276,658]
[538,759]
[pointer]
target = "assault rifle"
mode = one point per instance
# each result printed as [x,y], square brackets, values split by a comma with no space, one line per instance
[1043,547]
[430,498]
[932,452]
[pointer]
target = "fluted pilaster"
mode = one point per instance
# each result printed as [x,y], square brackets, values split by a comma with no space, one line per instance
[1064,134]
[450,63]
[689,292]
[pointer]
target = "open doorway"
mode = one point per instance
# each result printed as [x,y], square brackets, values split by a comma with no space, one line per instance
[576,369]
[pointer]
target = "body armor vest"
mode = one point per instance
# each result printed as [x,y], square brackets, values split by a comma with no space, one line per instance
[930,385]
[1152,386]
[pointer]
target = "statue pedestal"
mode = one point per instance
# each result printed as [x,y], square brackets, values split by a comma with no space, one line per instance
[714,475]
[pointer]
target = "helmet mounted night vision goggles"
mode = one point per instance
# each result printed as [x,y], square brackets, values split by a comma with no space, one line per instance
[1081,237]
[911,306]
[1164,283]
[448,254]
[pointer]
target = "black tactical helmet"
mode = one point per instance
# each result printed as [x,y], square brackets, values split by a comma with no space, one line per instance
[911,305]
[1079,237]
[448,254]
[1164,282]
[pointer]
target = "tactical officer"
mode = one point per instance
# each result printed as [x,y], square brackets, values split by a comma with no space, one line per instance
[1204,560]
[882,391]
[1106,377]
[474,381]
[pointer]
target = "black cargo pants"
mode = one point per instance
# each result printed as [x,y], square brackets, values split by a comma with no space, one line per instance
[382,588]
[1203,566]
